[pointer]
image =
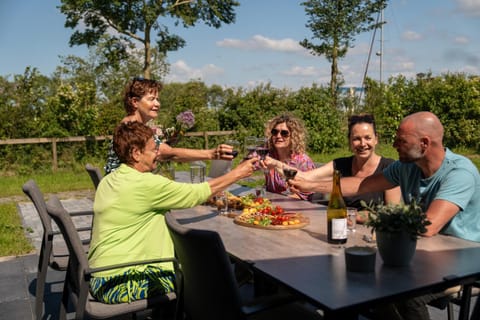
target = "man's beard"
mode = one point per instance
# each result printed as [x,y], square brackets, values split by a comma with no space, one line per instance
[412,155]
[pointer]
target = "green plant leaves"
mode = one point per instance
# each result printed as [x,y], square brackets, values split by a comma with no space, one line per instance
[395,218]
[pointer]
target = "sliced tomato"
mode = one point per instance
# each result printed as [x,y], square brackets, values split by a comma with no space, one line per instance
[278,210]
[259,200]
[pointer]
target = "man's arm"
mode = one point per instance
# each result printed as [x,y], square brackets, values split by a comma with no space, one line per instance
[440,212]
[350,185]
[183,154]
[393,196]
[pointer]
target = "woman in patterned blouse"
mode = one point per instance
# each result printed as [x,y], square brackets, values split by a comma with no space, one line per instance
[142,105]
[286,136]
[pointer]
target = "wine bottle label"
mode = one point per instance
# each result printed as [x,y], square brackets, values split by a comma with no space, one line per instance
[339,228]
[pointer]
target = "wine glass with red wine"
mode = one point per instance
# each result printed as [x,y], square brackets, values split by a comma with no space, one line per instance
[250,146]
[262,148]
[235,144]
[289,173]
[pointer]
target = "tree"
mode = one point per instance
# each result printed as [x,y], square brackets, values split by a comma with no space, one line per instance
[335,23]
[120,23]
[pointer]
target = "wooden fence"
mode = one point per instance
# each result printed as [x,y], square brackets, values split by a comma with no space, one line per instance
[54,141]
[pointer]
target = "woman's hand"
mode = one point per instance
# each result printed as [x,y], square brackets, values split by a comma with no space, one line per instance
[246,167]
[270,163]
[222,152]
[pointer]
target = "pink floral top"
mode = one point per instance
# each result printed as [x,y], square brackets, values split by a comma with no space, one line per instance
[275,182]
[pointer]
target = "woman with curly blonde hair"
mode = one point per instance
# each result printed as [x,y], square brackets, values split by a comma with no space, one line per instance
[286,136]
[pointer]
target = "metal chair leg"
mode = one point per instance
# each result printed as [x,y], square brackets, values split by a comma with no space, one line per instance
[465,302]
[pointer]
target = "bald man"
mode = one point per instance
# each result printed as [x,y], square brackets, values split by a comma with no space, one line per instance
[445,184]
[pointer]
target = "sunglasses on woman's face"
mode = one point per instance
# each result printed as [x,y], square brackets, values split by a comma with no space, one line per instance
[283,133]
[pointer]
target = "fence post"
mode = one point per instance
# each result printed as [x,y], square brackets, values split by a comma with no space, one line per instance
[205,135]
[54,154]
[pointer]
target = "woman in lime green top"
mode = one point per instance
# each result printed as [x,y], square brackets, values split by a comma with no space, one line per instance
[129,224]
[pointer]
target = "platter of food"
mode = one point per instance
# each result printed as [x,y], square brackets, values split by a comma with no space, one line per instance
[241,202]
[273,218]
[258,212]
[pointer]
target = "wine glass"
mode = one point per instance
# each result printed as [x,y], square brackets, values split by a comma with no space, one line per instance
[262,151]
[250,146]
[289,173]
[235,144]
[262,148]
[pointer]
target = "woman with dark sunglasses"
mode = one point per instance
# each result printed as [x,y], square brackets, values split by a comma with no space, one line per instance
[141,104]
[287,143]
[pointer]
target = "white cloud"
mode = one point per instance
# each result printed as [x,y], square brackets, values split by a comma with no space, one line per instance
[259,42]
[469,7]
[411,36]
[180,71]
[461,40]
[298,71]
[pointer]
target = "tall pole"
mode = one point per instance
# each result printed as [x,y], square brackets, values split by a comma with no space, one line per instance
[381,49]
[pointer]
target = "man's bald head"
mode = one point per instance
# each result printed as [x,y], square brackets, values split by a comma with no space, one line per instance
[424,123]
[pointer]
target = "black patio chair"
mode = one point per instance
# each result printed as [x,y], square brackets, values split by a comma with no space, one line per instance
[94,173]
[219,168]
[210,290]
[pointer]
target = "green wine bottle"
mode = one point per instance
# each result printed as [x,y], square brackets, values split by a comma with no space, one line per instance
[336,214]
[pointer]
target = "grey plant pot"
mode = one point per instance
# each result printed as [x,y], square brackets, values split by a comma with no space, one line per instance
[396,248]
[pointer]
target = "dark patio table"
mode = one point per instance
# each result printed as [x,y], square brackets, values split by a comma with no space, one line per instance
[303,261]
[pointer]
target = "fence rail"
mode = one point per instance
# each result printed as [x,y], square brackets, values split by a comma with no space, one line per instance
[54,141]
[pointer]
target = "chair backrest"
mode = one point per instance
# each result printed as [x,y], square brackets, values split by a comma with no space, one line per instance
[78,263]
[31,189]
[209,287]
[47,257]
[94,173]
[219,168]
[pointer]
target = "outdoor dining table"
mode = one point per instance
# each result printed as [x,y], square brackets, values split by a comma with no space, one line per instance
[303,261]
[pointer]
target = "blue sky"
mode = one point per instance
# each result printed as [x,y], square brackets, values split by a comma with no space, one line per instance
[262,46]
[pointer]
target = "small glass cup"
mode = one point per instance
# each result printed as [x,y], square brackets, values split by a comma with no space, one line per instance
[351,219]
[221,202]
[197,173]
[260,191]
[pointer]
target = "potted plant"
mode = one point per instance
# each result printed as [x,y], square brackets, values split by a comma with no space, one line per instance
[397,228]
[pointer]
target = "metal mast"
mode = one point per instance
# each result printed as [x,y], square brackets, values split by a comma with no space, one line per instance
[380,53]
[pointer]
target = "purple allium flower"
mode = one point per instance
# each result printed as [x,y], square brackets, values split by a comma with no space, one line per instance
[186,119]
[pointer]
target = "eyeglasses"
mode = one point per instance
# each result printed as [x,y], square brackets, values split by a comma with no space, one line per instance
[283,133]
[140,79]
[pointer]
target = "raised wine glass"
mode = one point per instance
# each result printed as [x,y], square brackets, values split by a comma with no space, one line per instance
[289,173]
[250,146]
[235,144]
[262,151]
[262,148]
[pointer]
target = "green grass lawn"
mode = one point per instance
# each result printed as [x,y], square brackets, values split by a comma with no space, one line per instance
[12,234]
